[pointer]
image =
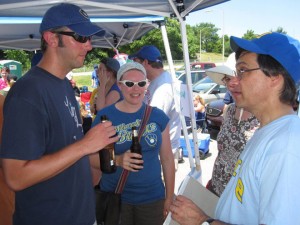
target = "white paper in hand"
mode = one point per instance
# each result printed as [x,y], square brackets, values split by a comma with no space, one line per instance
[202,197]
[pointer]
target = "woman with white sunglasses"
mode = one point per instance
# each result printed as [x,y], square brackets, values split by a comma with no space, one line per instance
[146,197]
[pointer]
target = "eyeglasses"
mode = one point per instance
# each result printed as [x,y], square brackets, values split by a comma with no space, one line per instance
[130,83]
[77,37]
[240,72]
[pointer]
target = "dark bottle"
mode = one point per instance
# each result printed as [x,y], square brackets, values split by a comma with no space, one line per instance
[107,155]
[135,145]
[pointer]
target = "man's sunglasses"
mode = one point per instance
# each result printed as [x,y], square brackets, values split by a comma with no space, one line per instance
[130,83]
[77,37]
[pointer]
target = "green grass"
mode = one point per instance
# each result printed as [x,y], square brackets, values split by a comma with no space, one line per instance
[83,78]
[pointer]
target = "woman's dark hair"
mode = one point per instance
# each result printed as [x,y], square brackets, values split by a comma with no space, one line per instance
[271,67]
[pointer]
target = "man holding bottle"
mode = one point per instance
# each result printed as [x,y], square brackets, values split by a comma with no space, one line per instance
[46,160]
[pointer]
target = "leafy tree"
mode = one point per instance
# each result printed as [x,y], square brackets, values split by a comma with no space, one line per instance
[249,35]
[21,56]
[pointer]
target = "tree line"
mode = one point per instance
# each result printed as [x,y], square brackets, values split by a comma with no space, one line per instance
[210,42]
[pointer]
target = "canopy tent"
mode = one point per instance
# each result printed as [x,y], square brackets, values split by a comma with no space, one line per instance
[23,32]
[111,10]
[124,21]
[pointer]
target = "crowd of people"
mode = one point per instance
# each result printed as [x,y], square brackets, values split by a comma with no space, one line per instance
[50,165]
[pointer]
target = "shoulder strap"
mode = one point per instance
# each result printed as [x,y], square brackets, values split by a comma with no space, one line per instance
[145,119]
[125,173]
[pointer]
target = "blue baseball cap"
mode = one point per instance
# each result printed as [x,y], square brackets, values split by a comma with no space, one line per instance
[283,48]
[149,52]
[113,64]
[71,16]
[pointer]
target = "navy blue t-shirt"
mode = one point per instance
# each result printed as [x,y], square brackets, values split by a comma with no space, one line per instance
[42,117]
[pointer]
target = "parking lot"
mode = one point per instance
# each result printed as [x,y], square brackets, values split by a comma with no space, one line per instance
[206,165]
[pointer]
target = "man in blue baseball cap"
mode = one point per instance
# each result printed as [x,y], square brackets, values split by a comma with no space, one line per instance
[160,92]
[46,162]
[265,182]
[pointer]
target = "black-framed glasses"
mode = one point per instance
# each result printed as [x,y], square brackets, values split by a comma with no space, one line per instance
[239,72]
[77,37]
[130,83]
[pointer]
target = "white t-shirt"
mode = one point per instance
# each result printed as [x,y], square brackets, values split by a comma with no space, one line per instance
[160,94]
[264,188]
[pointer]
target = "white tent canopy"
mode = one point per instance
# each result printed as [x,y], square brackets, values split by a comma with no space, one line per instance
[124,21]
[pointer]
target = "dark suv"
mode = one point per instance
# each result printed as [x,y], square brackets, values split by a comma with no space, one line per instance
[214,114]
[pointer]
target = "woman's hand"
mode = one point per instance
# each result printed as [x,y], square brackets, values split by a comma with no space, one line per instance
[167,205]
[130,161]
[102,76]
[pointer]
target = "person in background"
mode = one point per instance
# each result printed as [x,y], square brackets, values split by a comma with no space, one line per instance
[5,71]
[46,160]
[199,107]
[11,80]
[228,98]
[145,198]
[75,89]
[238,127]
[95,81]
[160,91]
[108,91]
[265,181]
[36,58]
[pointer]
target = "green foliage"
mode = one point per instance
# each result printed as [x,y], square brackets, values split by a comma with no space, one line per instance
[21,56]
[249,35]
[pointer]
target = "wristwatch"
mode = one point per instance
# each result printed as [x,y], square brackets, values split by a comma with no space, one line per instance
[208,221]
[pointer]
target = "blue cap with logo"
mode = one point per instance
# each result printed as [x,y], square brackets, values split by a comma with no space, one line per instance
[149,52]
[283,48]
[71,16]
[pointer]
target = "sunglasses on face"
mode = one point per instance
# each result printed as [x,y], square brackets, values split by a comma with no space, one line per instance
[77,37]
[130,83]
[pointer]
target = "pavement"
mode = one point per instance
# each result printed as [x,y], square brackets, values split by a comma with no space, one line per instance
[205,164]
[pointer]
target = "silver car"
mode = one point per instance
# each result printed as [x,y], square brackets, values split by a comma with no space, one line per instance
[209,90]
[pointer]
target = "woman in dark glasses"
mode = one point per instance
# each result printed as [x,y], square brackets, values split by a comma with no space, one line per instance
[145,198]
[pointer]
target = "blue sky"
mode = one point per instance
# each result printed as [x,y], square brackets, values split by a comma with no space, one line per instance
[258,15]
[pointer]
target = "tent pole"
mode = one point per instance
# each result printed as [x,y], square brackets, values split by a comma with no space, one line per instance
[190,92]
[176,92]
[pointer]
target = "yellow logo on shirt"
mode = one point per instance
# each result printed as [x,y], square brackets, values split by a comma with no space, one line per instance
[239,190]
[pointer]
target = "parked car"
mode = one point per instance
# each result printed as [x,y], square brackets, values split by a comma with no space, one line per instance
[214,114]
[209,90]
[195,76]
[195,66]
[202,65]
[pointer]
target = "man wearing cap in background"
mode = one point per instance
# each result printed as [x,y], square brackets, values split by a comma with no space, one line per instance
[264,188]
[160,92]
[46,160]
[95,81]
